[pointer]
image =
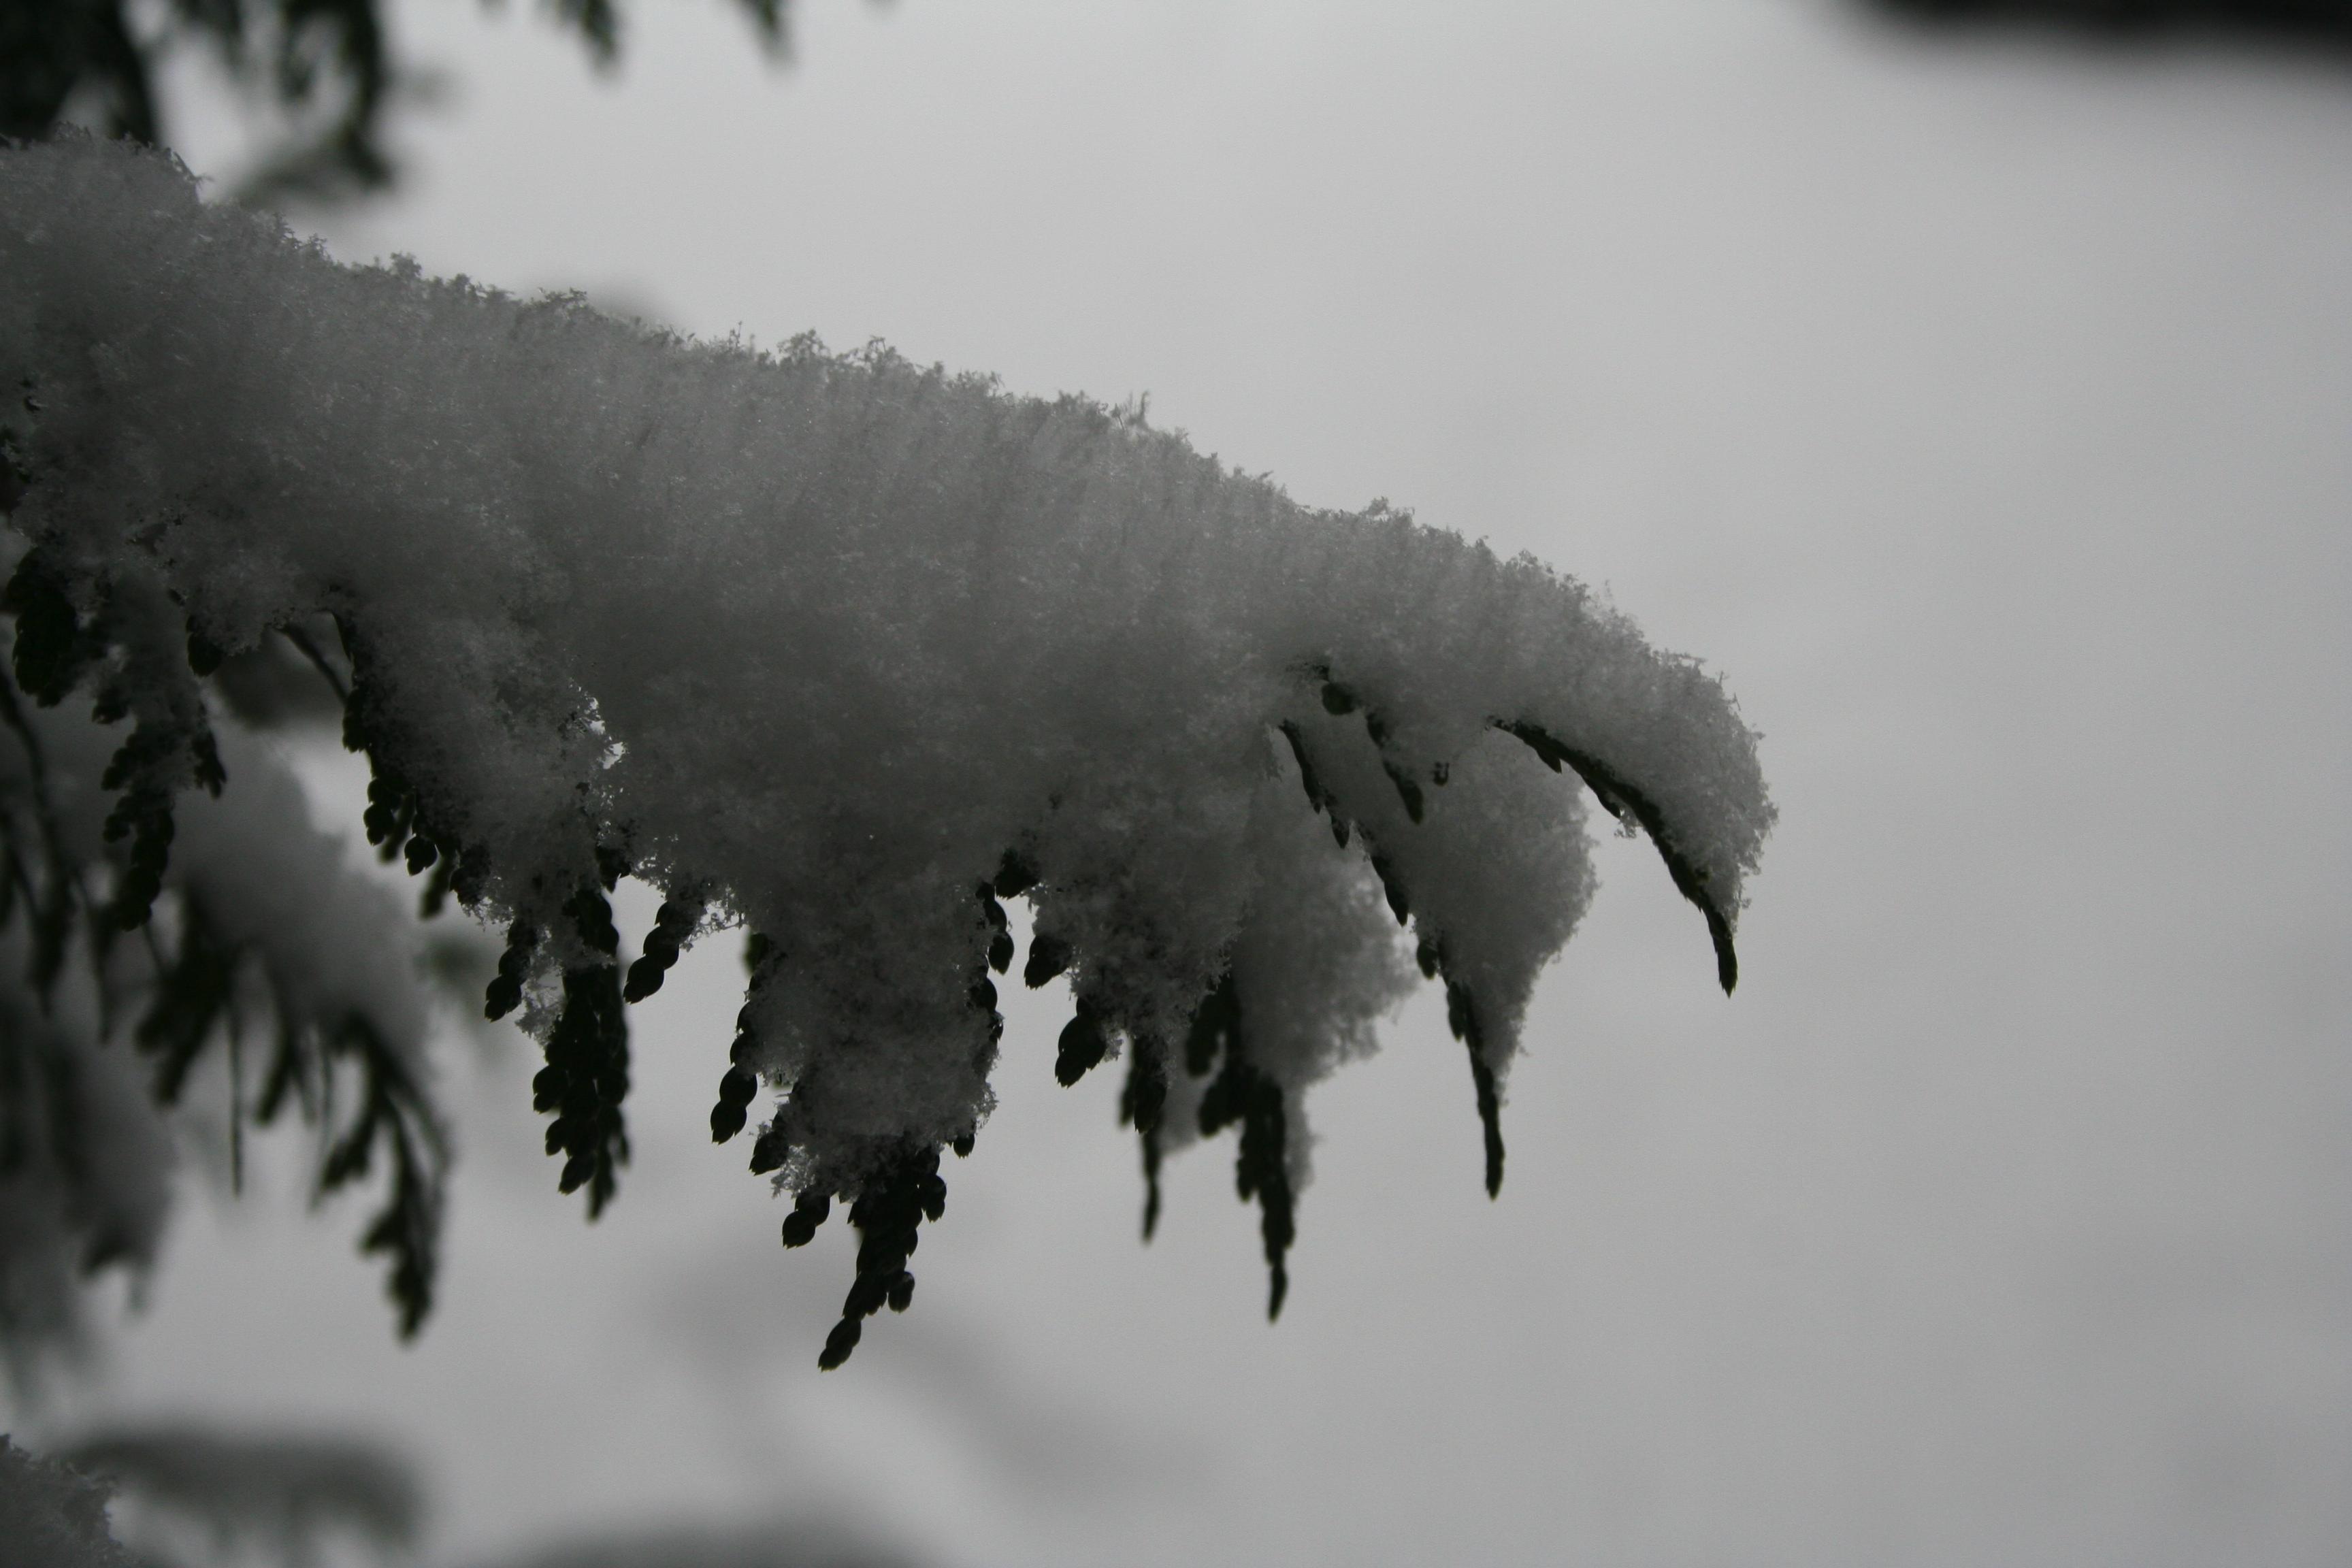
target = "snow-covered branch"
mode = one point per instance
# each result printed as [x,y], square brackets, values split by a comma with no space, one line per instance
[841,649]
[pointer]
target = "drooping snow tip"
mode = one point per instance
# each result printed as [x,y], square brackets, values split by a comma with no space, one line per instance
[844,650]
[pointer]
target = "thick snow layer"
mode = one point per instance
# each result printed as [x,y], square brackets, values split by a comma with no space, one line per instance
[841,650]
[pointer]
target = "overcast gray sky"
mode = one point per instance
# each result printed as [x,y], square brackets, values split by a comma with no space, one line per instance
[1980,410]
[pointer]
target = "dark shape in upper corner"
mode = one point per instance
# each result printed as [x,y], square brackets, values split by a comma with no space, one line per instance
[103,57]
[2319,26]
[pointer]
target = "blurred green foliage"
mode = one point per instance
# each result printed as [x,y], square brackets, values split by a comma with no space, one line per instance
[326,68]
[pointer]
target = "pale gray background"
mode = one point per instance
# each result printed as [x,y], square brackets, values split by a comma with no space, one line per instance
[1980,410]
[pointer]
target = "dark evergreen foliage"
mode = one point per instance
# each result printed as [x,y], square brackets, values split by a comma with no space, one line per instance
[196,973]
[906,1191]
[1049,958]
[1462,1016]
[673,925]
[396,1116]
[1084,1044]
[504,993]
[586,1079]
[810,1210]
[1142,1100]
[740,1083]
[53,645]
[327,64]
[1241,1095]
